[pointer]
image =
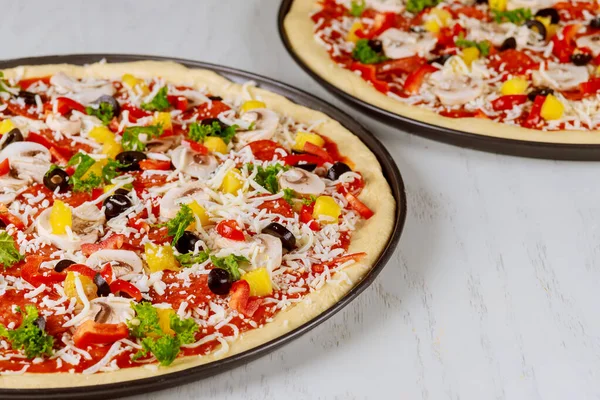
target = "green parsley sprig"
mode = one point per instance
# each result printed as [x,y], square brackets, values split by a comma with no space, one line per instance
[189,259]
[198,132]
[83,163]
[104,112]
[483,47]
[178,225]
[416,6]
[267,177]
[365,54]
[516,16]
[109,171]
[357,8]
[230,264]
[132,136]
[28,337]
[9,255]
[159,102]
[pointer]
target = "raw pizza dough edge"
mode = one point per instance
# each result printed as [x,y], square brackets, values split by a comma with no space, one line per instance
[376,194]
[299,29]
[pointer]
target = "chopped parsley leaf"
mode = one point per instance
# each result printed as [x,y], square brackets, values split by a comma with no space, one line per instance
[267,177]
[83,163]
[159,101]
[9,255]
[199,132]
[131,136]
[483,47]
[288,195]
[146,321]
[177,225]
[229,264]
[104,112]
[309,200]
[365,54]
[189,259]
[416,6]
[109,171]
[28,337]
[357,8]
[516,16]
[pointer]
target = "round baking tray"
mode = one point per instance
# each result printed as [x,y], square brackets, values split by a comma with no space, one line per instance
[521,148]
[390,171]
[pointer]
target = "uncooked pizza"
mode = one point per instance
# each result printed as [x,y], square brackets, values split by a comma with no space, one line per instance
[523,69]
[155,218]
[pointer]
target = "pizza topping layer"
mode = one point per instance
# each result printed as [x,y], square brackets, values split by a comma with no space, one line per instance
[534,64]
[142,221]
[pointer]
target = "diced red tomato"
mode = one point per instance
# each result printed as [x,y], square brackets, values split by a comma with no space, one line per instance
[315,150]
[179,102]
[197,147]
[356,257]
[414,81]
[65,105]
[113,242]
[369,73]
[306,217]
[158,165]
[119,286]
[469,11]
[266,150]
[4,167]
[30,272]
[564,43]
[515,62]
[9,218]
[382,22]
[229,229]
[135,113]
[590,87]
[206,110]
[295,159]
[25,83]
[240,299]
[400,66]
[359,206]
[82,269]
[448,35]
[535,118]
[91,332]
[508,102]
[278,206]
[576,10]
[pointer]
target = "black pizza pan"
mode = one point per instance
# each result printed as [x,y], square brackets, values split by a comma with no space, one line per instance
[390,171]
[521,148]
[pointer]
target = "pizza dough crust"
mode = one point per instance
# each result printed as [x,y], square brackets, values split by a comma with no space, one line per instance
[299,30]
[371,236]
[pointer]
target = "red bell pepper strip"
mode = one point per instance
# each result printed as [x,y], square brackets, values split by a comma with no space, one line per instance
[414,81]
[82,269]
[65,105]
[369,73]
[91,332]
[295,159]
[307,217]
[590,87]
[134,112]
[179,102]
[229,229]
[535,117]
[114,242]
[120,286]
[107,273]
[197,147]
[240,299]
[157,165]
[59,154]
[400,66]
[564,43]
[508,102]
[30,272]
[9,218]
[265,150]
[315,150]
[4,167]
[381,23]
[359,206]
[25,83]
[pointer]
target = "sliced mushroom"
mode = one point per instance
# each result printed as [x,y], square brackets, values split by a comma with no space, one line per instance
[84,92]
[270,251]
[265,123]
[456,89]
[123,262]
[194,164]
[110,310]
[61,124]
[561,76]
[172,200]
[592,42]
[163,145]
[28,161]
[401,44]
[301,181]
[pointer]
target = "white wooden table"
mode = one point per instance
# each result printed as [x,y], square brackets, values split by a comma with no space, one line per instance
[494,291]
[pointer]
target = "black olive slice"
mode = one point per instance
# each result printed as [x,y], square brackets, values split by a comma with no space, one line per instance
[63,264]
[581,59]
[219,281]
[288,240]
[28,97]
[336,170]
[539,92]
[549,12]
[440,60]
[115,205]
[111,101]
[375,45]
[537,26]
[2,224]
[103,287]
[13,136]
[508,44]
[187,242]
[122,191]
[40,322]
[215,98]
[56,178]
[131,159]
[310,167]
[595,23]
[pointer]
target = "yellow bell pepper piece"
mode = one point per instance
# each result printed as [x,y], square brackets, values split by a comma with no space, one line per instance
[95,169]
[6,126]
[136,84]
[70,288]
[437,19]
[303,137]
[160,258]
[200,212]
[470,54]
[101,134]
[351,37]
[252,104]
[498,5]
[164,119]
[111,148]
[552,108]
[231,182]
[164,320]
[514,86]
[551,31]
[60,218]
[215,144]
[326,210]
[259,281]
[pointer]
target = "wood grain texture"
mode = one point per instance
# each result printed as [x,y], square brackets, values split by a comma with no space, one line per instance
[493,292]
